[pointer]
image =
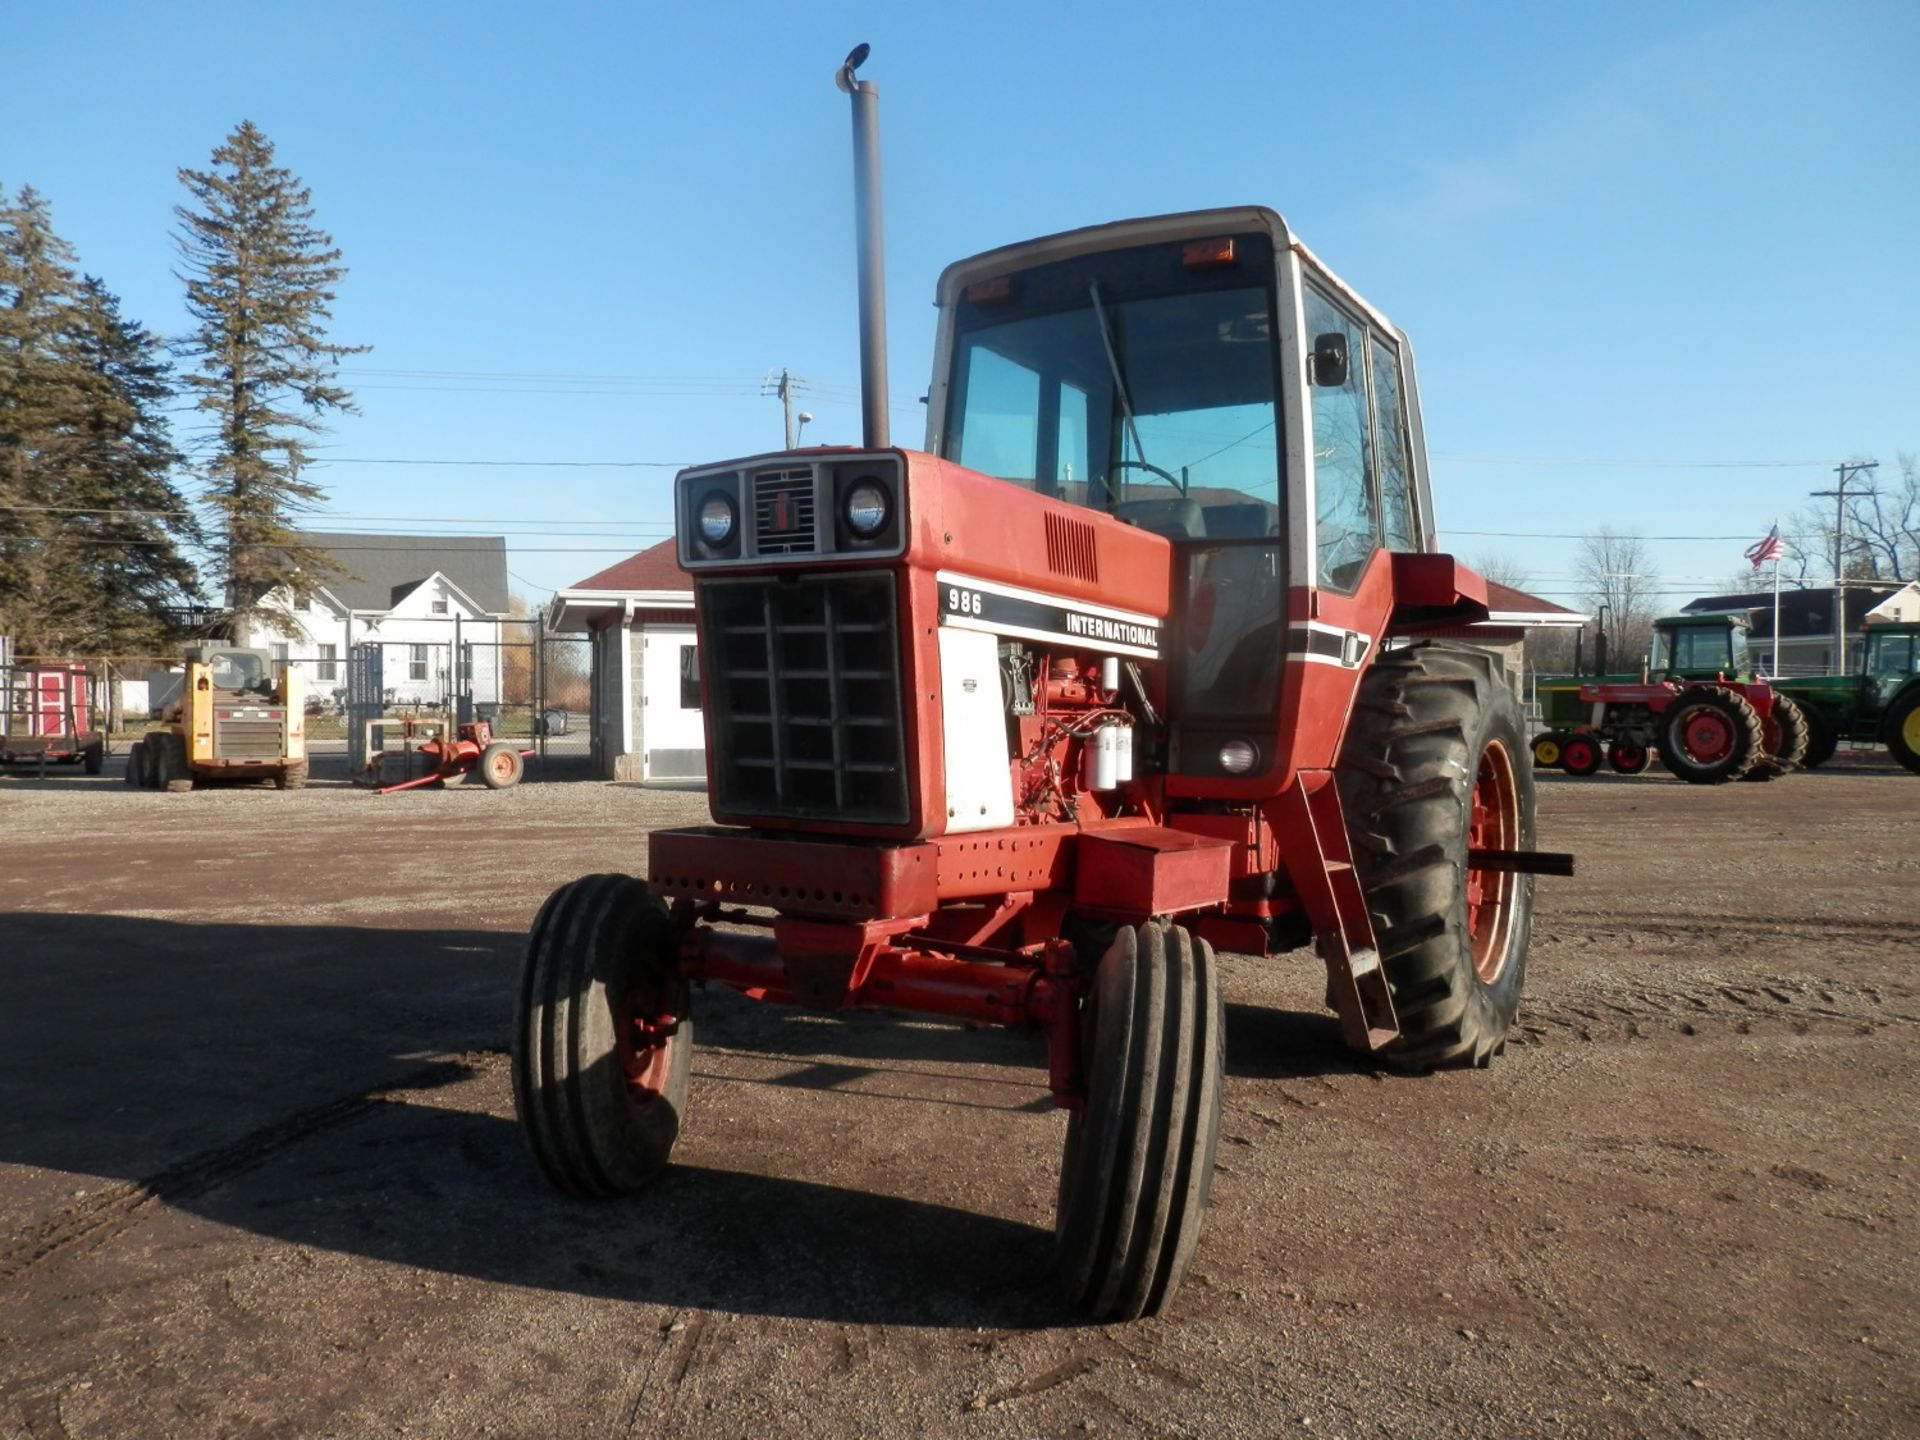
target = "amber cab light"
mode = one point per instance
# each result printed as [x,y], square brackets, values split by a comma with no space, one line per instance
[996,291]
[1209,254]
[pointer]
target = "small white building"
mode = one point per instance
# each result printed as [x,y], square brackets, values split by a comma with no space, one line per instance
[646,721]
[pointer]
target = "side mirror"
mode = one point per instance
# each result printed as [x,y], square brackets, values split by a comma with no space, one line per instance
[1330,359]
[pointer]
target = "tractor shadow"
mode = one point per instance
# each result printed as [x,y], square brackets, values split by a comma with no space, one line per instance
[346,1088]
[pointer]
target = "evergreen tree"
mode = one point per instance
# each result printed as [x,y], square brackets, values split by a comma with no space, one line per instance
[129,518]
[38,592]
[86,567]
[260,277]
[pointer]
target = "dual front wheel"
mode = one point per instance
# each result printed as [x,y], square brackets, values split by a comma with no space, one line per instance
[603,1042]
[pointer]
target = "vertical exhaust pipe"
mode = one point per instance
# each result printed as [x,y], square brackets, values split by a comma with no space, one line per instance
[873,280]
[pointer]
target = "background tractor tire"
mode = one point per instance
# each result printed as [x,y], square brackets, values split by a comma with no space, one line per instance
[500,766]
[136,765]
[1583,754]
[1547,750]
[1435,738]
[1140,1153]
[167,762]
[1903,730]
[600,1106]
[292,777]
[1823,738]
[1786,736]
[1709,736]
[1627,757]
[94,759]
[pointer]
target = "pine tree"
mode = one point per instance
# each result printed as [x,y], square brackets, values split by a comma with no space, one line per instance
[129,518]
[260,277]
[37,394]
[86,565]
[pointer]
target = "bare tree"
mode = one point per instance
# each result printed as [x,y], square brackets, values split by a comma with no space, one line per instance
[1502,570]
[1883,527]
[1614,570]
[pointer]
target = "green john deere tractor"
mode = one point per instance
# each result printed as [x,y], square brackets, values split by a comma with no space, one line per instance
[1880,705]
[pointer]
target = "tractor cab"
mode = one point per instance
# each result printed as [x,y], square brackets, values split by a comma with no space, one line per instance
[1892,654]
[1700,647]
[232,670]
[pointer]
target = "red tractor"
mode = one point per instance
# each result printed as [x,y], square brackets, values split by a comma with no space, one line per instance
[1126,665]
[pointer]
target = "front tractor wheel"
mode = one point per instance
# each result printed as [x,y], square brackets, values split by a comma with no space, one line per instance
[1628,757]
[602,1038]
[1435,767]
[1709,735]
[1547,750]
[1140,1150]
[1583,754]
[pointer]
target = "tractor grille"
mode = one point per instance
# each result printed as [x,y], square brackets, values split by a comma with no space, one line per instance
[783,511]
[804,698]
[249,734]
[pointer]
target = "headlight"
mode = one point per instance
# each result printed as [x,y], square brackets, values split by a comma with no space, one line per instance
[1237,756]
[866,509]
[716,517]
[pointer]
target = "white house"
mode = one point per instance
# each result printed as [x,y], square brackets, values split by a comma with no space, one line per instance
[433,604]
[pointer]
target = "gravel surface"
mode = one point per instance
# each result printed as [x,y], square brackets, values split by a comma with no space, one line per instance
[259,1173]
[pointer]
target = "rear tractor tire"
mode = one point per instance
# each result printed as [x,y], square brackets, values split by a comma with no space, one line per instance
[169,761]
[602,1038]
[1434,766]
[292,776]
[1583,754]
[1903,731]
[1140,1151]
[1785,735]
[1709,736]
[500,766]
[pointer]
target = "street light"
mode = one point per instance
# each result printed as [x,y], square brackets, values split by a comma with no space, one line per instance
[805,416]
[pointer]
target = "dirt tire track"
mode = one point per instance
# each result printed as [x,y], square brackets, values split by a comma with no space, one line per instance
[108,1211]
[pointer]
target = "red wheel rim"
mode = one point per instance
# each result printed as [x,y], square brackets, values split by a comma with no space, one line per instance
[1707,735]
[644,1026]
[1629,757]
[1494,824]
[1580,755]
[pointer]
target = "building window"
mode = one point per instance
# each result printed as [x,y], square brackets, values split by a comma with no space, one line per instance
[439,607]
[328,668]
[417,662]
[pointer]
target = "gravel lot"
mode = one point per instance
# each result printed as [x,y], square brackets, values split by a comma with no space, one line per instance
[259,1174]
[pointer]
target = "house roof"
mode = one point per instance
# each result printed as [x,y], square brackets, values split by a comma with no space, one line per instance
[655,568]
[382,570]
[1508,607]
[1804,614]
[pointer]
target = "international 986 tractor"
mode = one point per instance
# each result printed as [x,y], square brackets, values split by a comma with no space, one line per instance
[1696,704]
[1127,664]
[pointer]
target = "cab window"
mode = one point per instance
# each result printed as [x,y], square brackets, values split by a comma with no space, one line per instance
[1390,431]
[1346,527]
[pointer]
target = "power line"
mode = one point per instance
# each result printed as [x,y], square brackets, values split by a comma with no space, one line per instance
[1605,464]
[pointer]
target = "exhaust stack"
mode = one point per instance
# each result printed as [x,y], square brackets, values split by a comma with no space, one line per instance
[873,280]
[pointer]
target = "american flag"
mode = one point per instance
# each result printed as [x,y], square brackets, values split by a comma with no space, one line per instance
[1768,549]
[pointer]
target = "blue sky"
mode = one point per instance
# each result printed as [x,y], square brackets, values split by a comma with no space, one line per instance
[1631,243]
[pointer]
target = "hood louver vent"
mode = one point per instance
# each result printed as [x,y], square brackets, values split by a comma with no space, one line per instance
[1071,548]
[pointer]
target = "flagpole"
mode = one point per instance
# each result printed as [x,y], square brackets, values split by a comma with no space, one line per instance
[1776,612]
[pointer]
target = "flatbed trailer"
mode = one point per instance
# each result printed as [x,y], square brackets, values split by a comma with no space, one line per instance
[49,715]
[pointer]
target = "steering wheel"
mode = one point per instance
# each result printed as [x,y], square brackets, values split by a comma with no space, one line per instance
[1167,476]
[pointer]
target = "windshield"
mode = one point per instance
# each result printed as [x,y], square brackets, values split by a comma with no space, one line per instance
[237,670]
[1158,408]
[1699,647]
[1891,657]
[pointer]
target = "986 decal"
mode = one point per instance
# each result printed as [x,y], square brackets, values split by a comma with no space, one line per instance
[1007,610]
[963,602]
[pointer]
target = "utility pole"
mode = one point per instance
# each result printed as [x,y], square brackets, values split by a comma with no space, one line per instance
[1846,470]
[784,386]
